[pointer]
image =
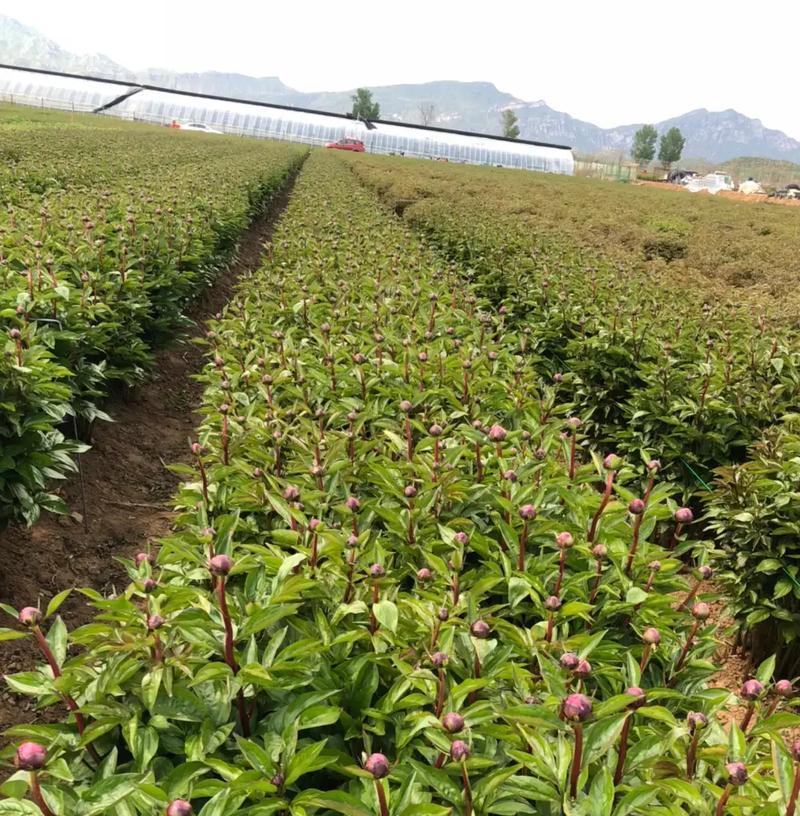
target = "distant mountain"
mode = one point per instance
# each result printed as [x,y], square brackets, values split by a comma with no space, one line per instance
[715,135]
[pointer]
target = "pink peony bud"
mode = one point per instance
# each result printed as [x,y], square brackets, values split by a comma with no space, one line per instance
[696,719]
[453,722]
[376,571]
[737,773]
[291,494]
[440,659]
[443,614]
[406,406]
[553,603]
[352,540]
[435,430]
[527,512]
[654,465]
[577,708]
[424,574]
[461,538]
[651,636]
[30,616]
[497,433]
[706,573]
[638,695]
[599,551]
[784,688]
[314,524]
[459,750]
[30,756]
[564,540]
[220,564]
[612,462]
[143,558]
[410,491]
[352,503]
[751,690]
[377,765]
[574,422]
[154,622]
[149,585]
[558,377]
[480,629]
[683,515]
[179,807]
[636,507]
[655,566]
[583,670]
[701,611]
[569,661]
[197,448]
[510,475]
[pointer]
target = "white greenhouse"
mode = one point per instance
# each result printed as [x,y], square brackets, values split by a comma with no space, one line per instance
[268,121]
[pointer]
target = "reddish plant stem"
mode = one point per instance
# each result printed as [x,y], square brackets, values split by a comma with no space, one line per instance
[634,544]
[230,659]
[225,439]
[675,533]
[645,657]
[691,754]
[478,463]
[689,598]
[409,441]
[748,716]
[686,647]
[572,456]
[440,693]
[467,789]
[70,703]
[456,586]
[603,503]
[597,579]
[650,484]
[723,800]
[373,621]
[549,633]
[440,760]
[623,749]
[384,808]
[312,560]
[523,539]
[36,795]
[204,479]
[577,757]
[792,803]
[562,563]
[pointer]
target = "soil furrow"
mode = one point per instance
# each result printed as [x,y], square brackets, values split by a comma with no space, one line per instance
[128,488]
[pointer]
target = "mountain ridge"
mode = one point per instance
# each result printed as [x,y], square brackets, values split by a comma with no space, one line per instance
[716,136]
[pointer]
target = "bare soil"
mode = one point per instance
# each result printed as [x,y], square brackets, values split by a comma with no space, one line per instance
[128,489]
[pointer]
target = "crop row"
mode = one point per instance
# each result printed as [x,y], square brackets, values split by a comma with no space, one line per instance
[651,366]
[400,582]
[105,237]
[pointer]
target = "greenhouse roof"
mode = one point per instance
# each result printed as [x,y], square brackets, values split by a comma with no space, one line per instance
[134,87]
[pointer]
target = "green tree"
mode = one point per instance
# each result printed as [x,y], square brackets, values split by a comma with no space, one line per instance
[670,147]
[644,145]
[364,107]
[509,121]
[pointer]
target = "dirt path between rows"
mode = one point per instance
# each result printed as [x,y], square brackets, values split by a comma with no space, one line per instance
[128,488]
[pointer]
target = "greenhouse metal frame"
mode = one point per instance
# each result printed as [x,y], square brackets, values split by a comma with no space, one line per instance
[147,103]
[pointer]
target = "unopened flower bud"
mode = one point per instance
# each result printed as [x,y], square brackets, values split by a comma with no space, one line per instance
[784,688]
[291,493]
[409,491]
[497,433]
[179,807]
[453,722]
[612,462]
[706,573]
[435,430]
[737,773]
[352,503]
[564,540]
[599,551]
[424,574]
[439,659]
[527,512]
[696,719]
[154,622]
[376,571]
[577,708]
[569,661]
[683,515]
[636,507]
[553,603]
[30,756]
[30,616]
[220,564]
[751,690]
[459,750]
[461,538]
[583,670]
[377,765]
[651,636]
[701,611]
[480,629]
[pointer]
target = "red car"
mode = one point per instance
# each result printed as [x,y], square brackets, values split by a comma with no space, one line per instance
[355,145]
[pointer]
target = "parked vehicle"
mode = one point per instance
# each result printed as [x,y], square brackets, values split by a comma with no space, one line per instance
[199,127]
[354,145]
[681,176]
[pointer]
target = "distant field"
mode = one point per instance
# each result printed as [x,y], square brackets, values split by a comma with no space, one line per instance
[727,251]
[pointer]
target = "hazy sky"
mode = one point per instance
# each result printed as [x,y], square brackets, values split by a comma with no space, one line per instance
[610,62]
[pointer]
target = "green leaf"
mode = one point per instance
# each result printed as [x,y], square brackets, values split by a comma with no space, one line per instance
[601,793]
[336,800]
[386,614]
[56,601]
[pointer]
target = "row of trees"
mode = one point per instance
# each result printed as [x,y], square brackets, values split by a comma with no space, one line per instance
[643,150]
[669,149]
